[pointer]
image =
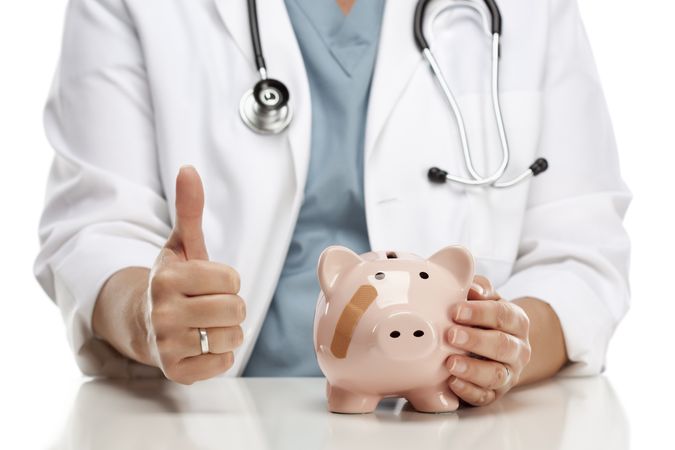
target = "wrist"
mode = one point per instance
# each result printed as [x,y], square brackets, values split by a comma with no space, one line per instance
[119,313]
[138,324]
[546,339]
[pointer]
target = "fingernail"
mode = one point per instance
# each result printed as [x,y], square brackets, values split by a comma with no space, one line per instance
[458,366]
[464,313]
[479,289]
[460,337]
[459,384]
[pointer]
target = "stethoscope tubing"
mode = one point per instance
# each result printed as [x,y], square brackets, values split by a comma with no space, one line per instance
[260,114]
[254,29]
[477,179]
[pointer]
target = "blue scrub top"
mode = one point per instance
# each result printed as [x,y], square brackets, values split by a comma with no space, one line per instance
[339,54]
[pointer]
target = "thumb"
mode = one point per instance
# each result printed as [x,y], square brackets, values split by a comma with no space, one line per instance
[187,234]
[481,289]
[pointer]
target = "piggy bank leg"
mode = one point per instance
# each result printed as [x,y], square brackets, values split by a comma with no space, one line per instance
[435,399]
[347,402]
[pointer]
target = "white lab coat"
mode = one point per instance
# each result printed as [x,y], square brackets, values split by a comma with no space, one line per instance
[145,86]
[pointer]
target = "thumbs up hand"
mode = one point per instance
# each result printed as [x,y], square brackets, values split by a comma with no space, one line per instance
[187,292]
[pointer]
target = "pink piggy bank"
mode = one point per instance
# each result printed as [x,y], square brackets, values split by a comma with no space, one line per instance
[381,323]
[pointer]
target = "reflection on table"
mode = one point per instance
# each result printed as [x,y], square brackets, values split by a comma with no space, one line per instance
[290,413]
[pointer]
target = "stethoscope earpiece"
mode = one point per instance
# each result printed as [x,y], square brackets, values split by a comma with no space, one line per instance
[264,109]
[437,175]
[539,166]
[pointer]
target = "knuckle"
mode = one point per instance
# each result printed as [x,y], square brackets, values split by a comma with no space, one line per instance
[161,282]
[498,376]
[486,397]
[504,346]
[527,354]
[160,316]
[503,316]
[525,323]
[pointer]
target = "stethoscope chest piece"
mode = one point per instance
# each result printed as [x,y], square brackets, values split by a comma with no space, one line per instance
[265,109]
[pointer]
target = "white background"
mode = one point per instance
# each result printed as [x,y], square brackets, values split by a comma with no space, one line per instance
[635,52]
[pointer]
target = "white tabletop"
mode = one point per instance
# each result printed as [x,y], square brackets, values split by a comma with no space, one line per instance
[290,413]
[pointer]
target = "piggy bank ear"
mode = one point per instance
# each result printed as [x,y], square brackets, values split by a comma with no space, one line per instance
[333,261]
[458,261]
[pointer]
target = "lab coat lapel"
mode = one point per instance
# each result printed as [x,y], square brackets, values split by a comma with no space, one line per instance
[284,62]
[397,60]
[235,17]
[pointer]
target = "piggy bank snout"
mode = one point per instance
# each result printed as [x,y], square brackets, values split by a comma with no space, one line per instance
[405,336]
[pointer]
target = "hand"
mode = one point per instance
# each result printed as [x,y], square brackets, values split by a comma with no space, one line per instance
[495,332]
[187,292]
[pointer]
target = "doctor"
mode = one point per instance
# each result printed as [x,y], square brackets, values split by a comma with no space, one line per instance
[213,271]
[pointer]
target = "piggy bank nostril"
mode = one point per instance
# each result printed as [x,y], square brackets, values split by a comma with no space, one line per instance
[418,333]
[394,334]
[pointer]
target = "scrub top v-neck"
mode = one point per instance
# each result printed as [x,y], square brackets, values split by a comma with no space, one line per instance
[338,40]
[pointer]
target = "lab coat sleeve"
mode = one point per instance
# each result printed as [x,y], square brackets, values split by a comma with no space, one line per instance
[574,251]
[104,209]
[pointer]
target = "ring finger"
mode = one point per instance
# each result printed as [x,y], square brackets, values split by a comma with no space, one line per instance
[483,373]
[221,340]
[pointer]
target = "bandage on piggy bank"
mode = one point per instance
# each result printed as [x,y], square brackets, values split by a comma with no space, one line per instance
[381,325]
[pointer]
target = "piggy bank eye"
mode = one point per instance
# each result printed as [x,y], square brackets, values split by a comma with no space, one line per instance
[379,275]
[424,275]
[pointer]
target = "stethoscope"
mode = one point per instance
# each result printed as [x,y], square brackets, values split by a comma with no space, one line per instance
[265,108]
